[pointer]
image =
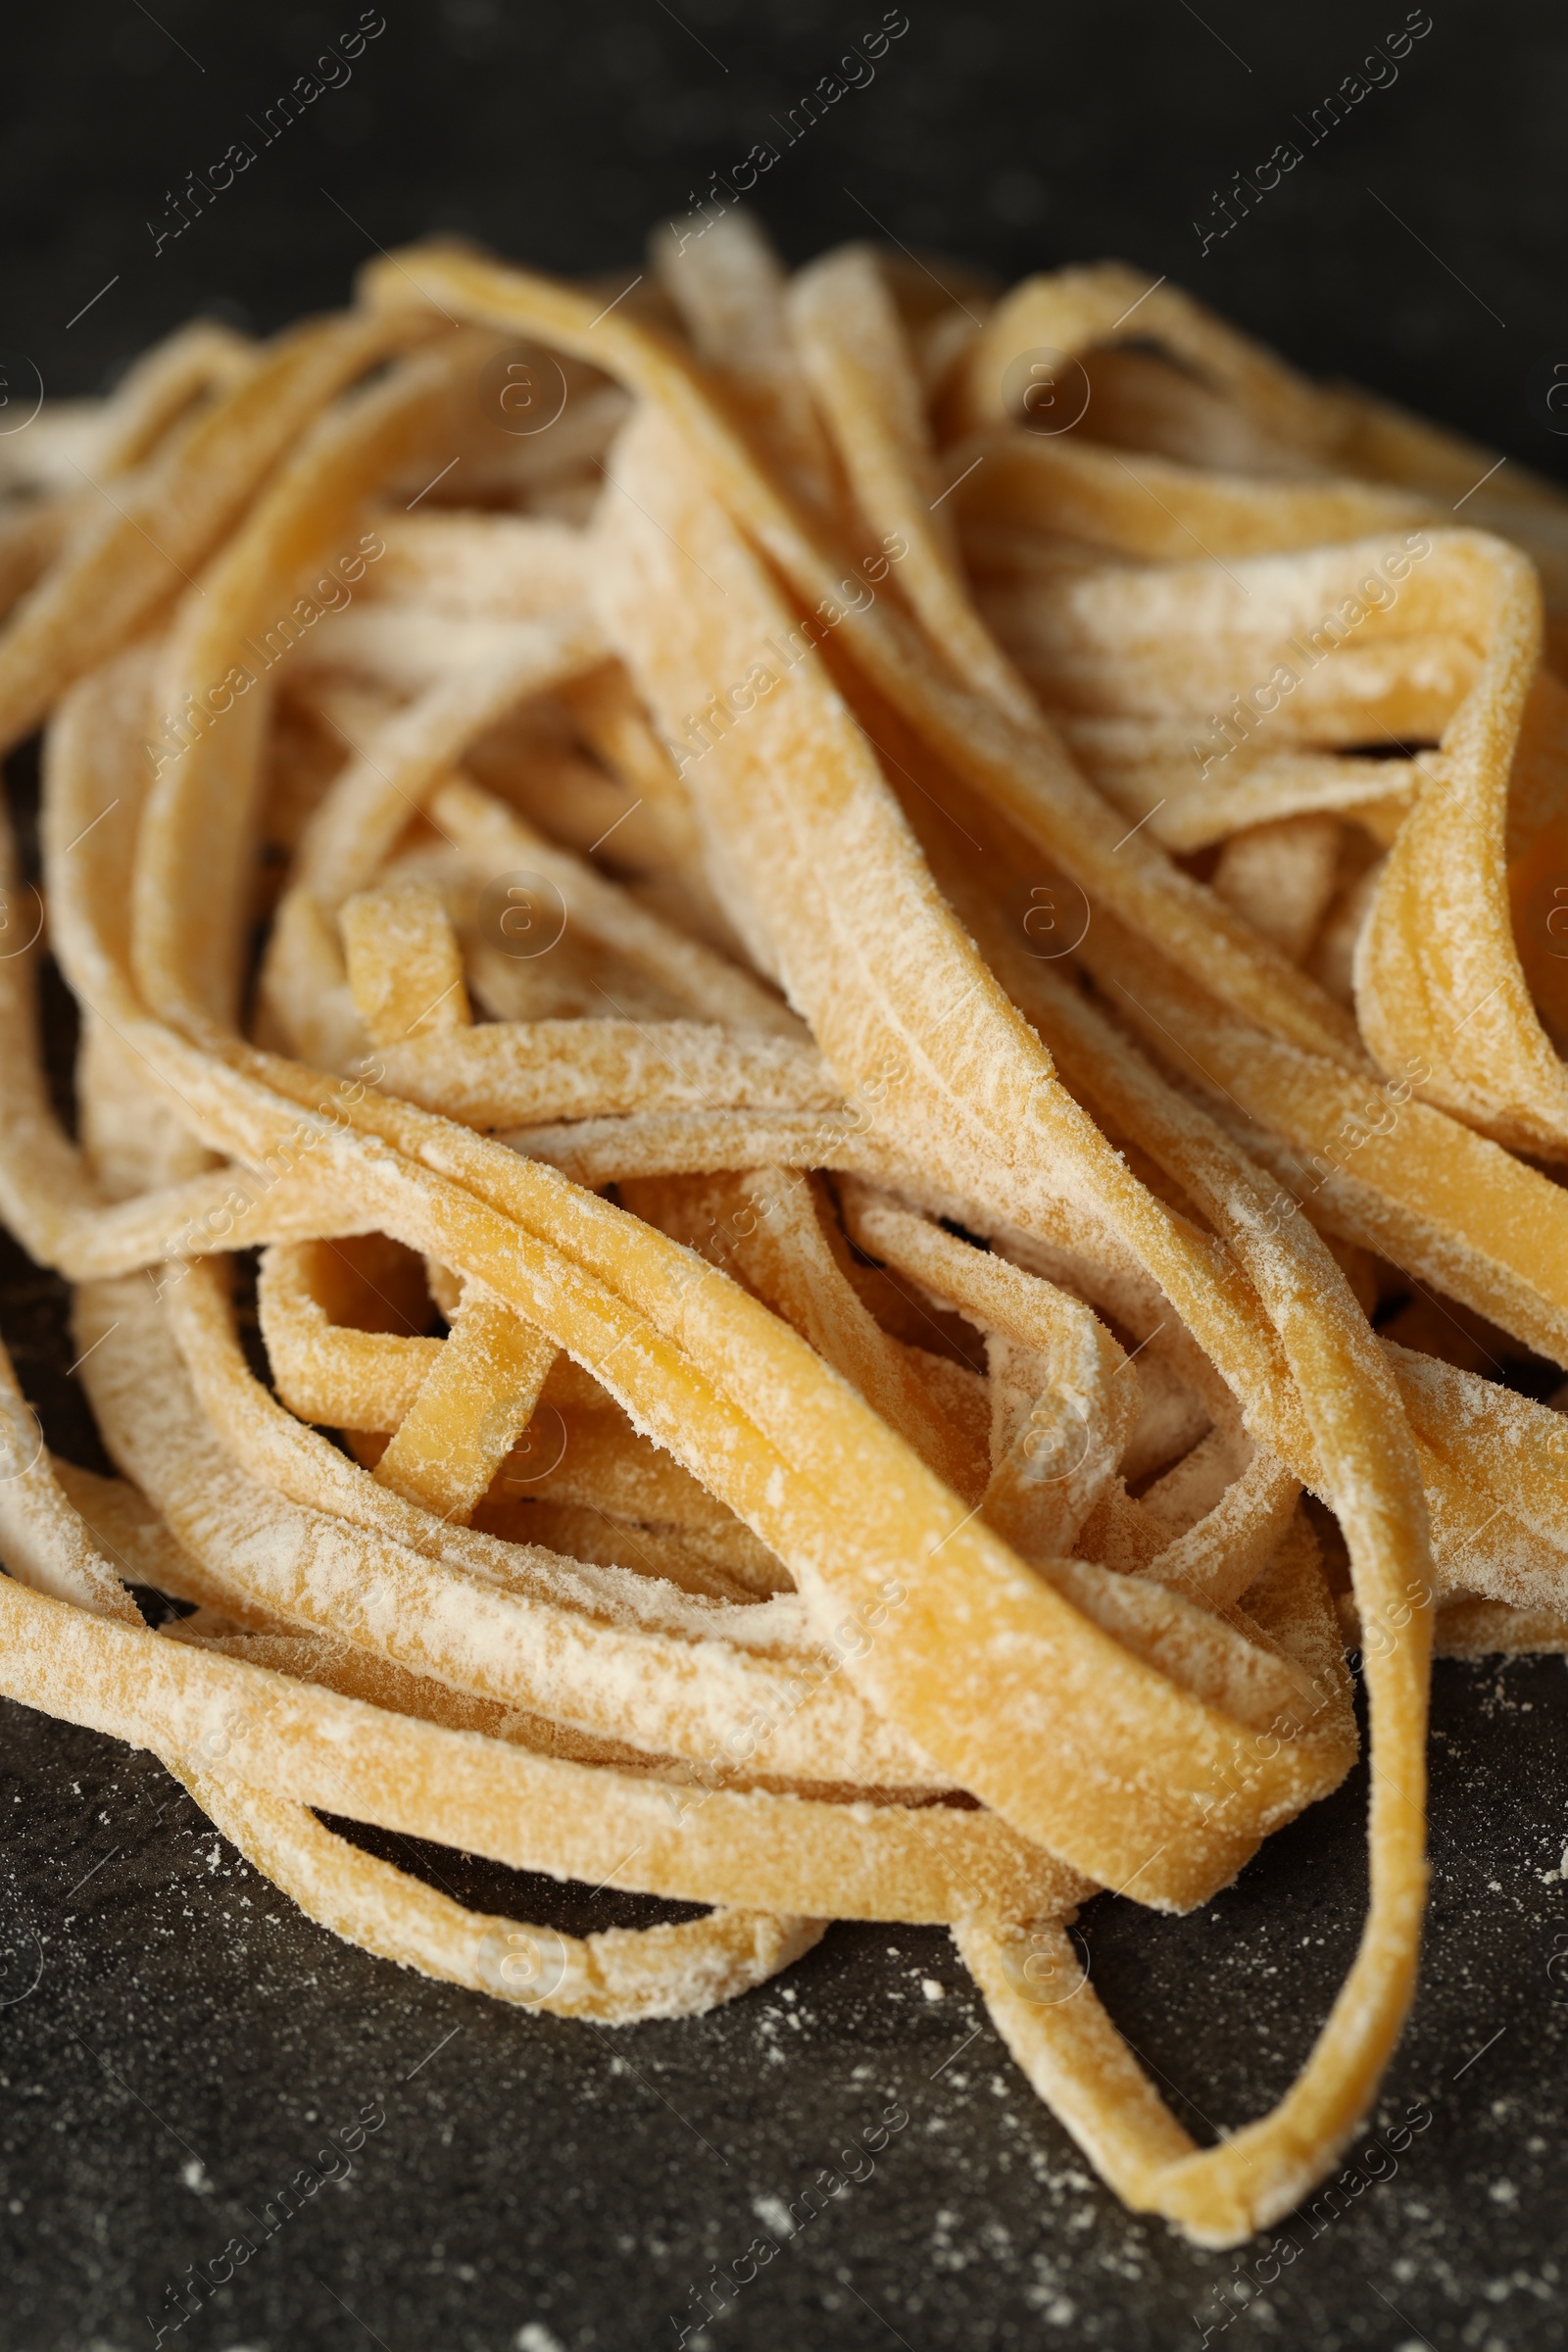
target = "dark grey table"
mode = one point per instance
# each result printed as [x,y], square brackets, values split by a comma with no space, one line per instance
[175,2042]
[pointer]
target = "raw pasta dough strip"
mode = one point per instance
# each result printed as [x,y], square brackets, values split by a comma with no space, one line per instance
[470,1409]
[1397,456]
[506,1073]
[402,962]
[853,346]
[1146,504]
[45,1545]
[1439,981]
[594,1151]
[1073,311]
[478,567]
[616,1977]
[790,1855]
[731,294]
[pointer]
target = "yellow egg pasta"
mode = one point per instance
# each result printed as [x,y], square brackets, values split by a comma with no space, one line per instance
[871,1097]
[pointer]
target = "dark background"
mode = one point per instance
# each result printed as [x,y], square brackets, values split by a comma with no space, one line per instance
[1019,136]
[175,2037]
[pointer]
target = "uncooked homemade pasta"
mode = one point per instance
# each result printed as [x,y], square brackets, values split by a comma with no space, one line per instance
[867,990]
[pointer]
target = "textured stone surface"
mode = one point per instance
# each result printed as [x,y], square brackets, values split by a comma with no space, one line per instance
[175,2039]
